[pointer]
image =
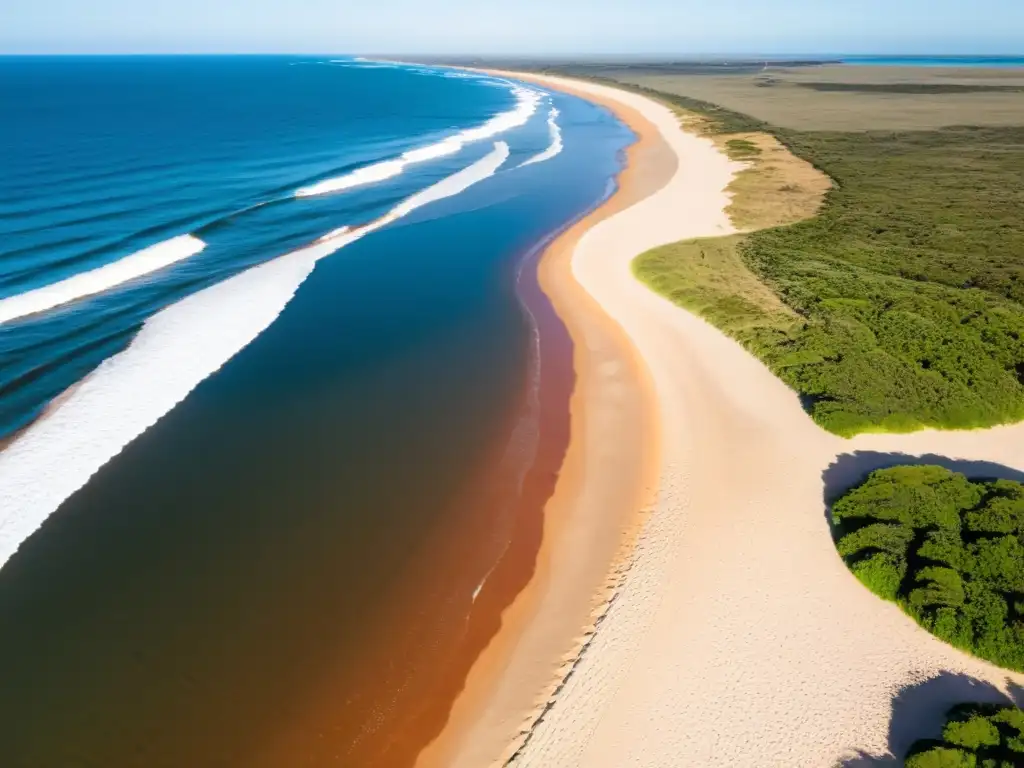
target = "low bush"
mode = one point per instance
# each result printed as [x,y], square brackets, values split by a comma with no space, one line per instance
[948,550]
[975,736]
[908,284]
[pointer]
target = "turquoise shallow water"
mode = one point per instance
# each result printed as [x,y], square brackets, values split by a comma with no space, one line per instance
[249,571]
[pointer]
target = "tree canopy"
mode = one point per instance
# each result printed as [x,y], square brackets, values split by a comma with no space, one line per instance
[975,736]
[948,550]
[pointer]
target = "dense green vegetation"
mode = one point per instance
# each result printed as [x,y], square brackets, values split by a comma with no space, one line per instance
[909,283]
[947,550]
[975,736]
[908,286]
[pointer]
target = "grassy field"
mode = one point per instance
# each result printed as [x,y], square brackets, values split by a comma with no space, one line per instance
[846,98]
[900,304]
[709,276]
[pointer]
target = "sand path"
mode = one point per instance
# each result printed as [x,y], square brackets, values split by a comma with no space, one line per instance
[738,637]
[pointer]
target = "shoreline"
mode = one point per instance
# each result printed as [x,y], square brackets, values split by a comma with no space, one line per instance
[738,636]
[493,589]
[533,652]
[668,593]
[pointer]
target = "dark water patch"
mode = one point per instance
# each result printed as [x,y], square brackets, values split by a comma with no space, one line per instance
[26,398]
[27,376]
[253,468]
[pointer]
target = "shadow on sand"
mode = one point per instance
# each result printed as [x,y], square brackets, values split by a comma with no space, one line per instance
[851,469]
[919,710]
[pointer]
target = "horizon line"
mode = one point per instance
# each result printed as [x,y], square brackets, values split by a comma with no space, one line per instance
[751,54]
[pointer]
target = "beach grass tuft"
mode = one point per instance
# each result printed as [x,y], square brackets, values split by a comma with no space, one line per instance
[710,278]
[742,149]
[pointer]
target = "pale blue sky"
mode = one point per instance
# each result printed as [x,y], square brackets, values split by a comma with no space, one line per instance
[513,26]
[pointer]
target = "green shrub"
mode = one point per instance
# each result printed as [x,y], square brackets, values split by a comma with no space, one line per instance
[944,548]
[919,497]
[881,573]
[1004,512]
[985,736]
[886,537]
[942,757]
[976,731]
[941,587]
[911,281]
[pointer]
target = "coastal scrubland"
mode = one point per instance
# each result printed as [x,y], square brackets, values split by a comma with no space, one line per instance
[974,736]
[946,549]
[895,300]
[849,98]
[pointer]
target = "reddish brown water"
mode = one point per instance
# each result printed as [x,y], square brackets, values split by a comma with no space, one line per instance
[433,628]
[298,566]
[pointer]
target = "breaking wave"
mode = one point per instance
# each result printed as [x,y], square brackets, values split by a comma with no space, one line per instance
[554,147]
[101,279]
[168,252]
[175,350]
[527,101]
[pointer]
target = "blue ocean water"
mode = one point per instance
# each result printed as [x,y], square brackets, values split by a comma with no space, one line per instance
[936,61]
[109,156]
[276,297]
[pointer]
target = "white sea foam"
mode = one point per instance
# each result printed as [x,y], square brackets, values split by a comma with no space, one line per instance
[361,64]
[556,141]
[335,233]
[527,100]
[175,350]
[371,174]
[433,151]
[457,182]
[101,279]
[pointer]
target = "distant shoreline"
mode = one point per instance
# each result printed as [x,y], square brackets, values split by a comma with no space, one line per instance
[721,64]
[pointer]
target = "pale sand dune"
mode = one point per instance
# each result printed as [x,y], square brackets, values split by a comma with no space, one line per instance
[738,637]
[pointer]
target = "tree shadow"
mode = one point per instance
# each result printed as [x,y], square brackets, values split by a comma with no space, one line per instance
[919,712]
[851,469]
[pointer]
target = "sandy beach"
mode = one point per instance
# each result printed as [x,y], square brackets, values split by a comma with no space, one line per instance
[728,630]
[605,484]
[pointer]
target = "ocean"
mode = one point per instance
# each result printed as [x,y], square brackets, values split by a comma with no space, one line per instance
[935,61]
[270,396]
